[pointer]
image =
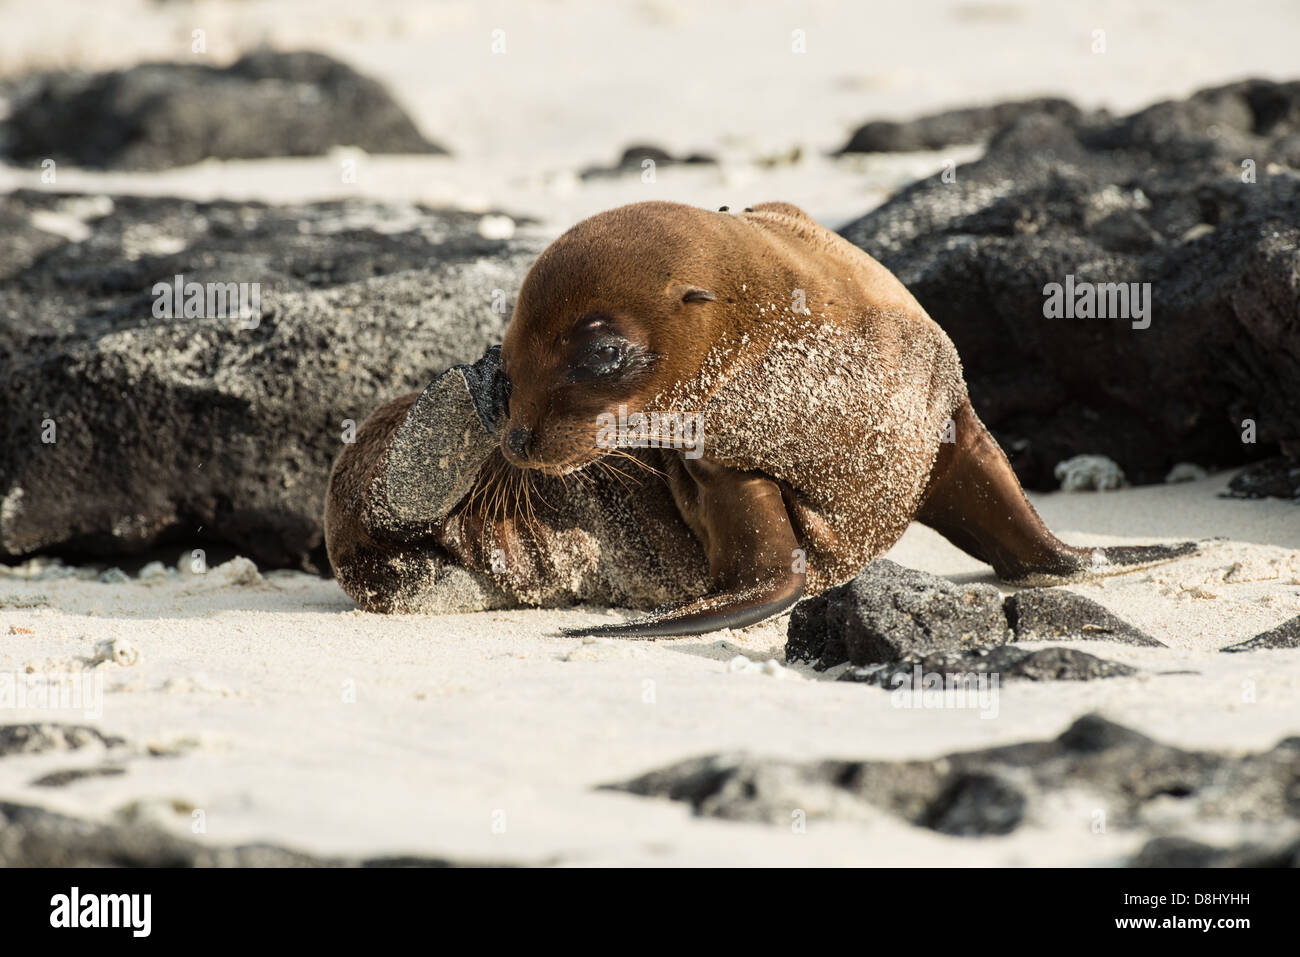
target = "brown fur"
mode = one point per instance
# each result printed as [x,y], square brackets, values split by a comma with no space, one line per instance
[825,390]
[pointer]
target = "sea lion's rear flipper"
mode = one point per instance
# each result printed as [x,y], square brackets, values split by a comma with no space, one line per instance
[975,501]
[754,557]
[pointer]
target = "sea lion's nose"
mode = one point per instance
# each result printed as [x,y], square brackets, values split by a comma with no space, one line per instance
[518,440]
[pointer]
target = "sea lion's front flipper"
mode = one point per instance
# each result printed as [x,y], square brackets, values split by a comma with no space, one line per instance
[754,558]
[975,501]
[698,617]
[434,457]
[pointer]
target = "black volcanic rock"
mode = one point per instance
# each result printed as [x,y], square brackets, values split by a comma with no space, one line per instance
[50,736]
[953,127]
[1055,614]
[998,790]
[159,115]
[1273,478]
[1285,635]
[202,429]
[891,619]
[889,612]
[1159,198]
[1184,852]
[35,837]
[1005,661]
[634,156]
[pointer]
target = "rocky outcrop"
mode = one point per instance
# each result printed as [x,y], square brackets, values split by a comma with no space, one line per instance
[35,837]
[953,127]
[1128,777]
[125,430]
[1200,198]
[158,115]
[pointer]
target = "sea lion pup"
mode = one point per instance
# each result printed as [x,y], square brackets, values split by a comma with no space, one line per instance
[833,414]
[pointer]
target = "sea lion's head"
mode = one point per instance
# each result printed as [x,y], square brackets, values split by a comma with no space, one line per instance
[613,313]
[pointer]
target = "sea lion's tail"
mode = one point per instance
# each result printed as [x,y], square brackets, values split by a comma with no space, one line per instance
[975,501]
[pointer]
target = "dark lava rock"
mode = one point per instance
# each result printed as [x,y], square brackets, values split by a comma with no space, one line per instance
[889,612]
[1006,661]
[634,156]
[1273,478]
[34,837]
[1054,614]
[994,790]
[894,619]
[976,803]
[59,779]
[37,738]
[953,127]
[1184,852]
[158,115]
[1285,635]
[1157,197]
[203,429]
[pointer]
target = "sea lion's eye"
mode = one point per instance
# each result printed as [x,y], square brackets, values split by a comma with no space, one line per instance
[601,359]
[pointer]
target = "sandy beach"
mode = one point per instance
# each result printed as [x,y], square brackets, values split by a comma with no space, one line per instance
[245,687]
[263,706]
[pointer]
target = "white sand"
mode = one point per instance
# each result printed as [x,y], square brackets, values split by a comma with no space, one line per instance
[460,717]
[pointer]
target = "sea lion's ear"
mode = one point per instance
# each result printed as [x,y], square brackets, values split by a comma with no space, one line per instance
[785,209]
[696,294]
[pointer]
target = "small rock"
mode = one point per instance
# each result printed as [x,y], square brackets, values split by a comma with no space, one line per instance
[1055,614]
[1285,635]
[36,738]
[1089,473]
[772,668]
[496,227]
[1186,472]
[634,158]
[1272,478]
[119,651]
[154,573]
[239,571]
[58,779]
[1044,664]
[741,663]
[889,612]
[114,576]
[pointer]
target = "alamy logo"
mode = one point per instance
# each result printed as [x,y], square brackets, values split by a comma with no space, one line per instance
[952,690]
[133,911]
[659,430]
[179,299]
[53,691]
[1104,300]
